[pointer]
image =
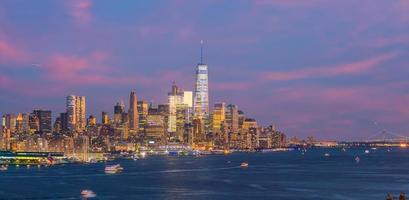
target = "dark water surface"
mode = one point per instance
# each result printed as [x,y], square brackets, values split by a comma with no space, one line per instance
[277,175]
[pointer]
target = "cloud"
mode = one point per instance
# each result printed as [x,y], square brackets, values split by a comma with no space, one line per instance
[345,69]
[232,86]
[287,2]
[10,52]
[80,10]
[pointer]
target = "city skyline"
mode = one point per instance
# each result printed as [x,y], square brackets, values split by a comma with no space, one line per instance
[328,74]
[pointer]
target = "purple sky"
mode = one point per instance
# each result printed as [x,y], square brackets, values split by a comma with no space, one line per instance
[333,69]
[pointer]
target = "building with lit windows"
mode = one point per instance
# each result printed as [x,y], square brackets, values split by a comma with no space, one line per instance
[143,111]
[201,93]
[175,97]
[76,112]
[133,112]
[218,117]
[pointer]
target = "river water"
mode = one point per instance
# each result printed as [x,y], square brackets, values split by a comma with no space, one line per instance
[275,175]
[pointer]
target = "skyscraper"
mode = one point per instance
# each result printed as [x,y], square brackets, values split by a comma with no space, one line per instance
[143,109]
[232,118]
[76,112]
[218,117]
[44,117]
[80,112]
[119,108]
[201,95]
[71,112]
[175,97]
[104,118]
[133,112]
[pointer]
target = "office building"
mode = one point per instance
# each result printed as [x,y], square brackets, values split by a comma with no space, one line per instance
[201,95]
[76,112]
[133,112]
[218,117]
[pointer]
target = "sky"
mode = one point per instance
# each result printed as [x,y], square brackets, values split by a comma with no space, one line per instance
[333,69]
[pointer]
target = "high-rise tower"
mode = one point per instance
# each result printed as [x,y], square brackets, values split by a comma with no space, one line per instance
[133,112]
[201,95]
[76,112]
[71,112]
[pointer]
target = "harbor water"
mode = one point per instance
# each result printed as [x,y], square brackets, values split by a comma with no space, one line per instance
[273,175]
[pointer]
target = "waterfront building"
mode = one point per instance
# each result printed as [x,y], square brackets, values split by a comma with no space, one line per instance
[155,129]
[133,112]
[42,145]
[201,94]
[82,147]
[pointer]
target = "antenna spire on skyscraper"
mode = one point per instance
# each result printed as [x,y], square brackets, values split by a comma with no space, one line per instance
[201,51]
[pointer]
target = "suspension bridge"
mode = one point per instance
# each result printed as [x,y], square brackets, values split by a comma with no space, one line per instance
[388,137]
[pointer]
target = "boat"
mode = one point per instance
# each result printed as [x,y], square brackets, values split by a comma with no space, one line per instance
[244,164]
[113,169]
[3,168]
[357,159]
[88,194]
[327,155]
[366,151]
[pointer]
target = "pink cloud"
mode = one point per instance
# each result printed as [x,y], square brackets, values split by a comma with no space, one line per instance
[286,2]
[239,86]
[4,81]
[80,10]
[345,69]
[9,51]
[87,70]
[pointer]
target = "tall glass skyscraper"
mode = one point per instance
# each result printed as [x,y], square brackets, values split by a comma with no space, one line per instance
[76,112]
[201,96]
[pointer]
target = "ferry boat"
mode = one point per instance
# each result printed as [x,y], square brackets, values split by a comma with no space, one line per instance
[113,169]
[88,194]
[244,164]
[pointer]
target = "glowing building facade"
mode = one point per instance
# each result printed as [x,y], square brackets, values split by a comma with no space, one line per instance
[133,112]
[175,97]
[201,95]
[218,117]
[76,112]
